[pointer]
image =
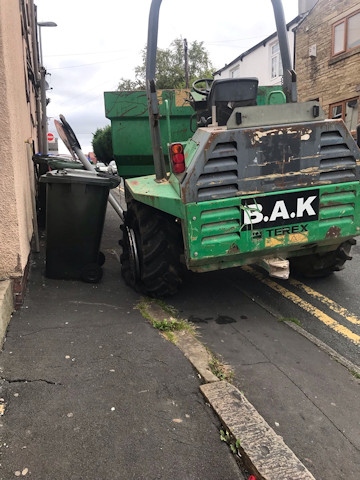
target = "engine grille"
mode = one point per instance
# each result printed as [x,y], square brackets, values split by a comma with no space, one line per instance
[250,161]
[220,175]
[337,208]
[337,163]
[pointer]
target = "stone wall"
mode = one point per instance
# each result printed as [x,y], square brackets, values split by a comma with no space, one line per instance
[330,79]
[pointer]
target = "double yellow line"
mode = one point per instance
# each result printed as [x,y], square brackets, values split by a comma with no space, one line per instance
[316,312]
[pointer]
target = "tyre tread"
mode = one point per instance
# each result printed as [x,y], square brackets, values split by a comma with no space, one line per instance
[159,244]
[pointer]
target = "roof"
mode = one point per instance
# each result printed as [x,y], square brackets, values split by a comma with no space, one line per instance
[292,23]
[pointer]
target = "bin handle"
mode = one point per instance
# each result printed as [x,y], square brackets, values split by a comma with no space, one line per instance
[68,136]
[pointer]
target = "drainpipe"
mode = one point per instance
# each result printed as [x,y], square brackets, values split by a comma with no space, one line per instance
[34,41]
[44,142]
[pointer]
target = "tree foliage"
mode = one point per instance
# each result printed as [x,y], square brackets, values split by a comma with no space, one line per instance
[170,67]
[102,144]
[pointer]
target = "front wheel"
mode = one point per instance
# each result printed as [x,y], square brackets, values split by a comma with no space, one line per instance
[152,248]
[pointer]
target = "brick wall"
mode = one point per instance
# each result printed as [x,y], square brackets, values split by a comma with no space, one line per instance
[329,79]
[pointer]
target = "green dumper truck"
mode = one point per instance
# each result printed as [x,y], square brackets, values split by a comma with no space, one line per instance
[230,174]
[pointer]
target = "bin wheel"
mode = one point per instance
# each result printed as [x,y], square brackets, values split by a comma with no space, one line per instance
[101,259]
[91,273]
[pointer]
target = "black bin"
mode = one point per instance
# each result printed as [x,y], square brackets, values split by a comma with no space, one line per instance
[44,163]
[76,206]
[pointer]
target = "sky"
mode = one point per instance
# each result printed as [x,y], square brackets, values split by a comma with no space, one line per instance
[96,44]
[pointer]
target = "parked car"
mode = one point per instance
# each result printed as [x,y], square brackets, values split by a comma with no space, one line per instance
[101,167]
[112,167]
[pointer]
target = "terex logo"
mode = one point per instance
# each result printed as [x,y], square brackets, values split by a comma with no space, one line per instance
[276,210]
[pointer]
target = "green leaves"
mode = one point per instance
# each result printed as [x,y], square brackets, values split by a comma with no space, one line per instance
[234,445]
[170,67]
[102,144]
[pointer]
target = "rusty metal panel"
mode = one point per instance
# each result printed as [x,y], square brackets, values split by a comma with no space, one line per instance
[229,163]
[285,114]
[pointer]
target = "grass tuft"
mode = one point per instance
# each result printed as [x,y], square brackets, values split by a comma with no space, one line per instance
[219,369]
[152,310]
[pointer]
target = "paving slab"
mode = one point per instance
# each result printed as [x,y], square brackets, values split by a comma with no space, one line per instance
[91,391]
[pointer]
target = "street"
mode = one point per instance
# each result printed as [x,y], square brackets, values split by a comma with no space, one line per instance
[293,346]
[299,387]
[294,349]
[91,390]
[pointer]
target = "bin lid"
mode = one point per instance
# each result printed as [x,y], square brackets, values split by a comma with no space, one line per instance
[44,158]
[80,176]
[57,164]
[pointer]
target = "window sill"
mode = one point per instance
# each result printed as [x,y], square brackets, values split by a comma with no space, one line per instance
[344,56]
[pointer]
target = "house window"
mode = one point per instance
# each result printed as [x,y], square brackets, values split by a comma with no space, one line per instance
[276,65]
[347,110]
[235,72]
[337,110]
[346,34]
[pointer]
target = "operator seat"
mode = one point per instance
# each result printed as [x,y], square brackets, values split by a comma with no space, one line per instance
[228,93]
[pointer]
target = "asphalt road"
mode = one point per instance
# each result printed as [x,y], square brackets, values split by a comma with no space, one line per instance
[308,397]
[311,400]
[327,308]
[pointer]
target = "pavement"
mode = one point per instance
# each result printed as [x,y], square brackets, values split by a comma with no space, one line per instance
[90,390]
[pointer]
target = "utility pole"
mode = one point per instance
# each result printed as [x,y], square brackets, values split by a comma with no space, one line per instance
[186,63]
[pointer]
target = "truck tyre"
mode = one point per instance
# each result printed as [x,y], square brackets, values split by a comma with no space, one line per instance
[323,265]
[152,247]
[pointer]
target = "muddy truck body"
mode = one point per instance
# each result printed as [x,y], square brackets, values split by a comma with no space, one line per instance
[261,179]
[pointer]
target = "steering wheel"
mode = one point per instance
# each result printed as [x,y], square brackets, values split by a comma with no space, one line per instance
[204,91]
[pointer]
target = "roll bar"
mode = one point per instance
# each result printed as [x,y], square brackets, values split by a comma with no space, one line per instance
[289,76]
[151,49]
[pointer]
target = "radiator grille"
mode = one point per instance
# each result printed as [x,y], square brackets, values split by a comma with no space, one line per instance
[337,163]
[262,161]
[220,224]
[337,208]
[220,174]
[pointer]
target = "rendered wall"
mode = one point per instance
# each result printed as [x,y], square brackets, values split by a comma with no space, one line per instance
[258,63]
[17,132]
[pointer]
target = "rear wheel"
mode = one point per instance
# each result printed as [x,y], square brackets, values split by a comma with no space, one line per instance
[152,248]
[323,265]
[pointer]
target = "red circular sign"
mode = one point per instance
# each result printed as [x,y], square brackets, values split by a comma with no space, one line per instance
[50,137]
